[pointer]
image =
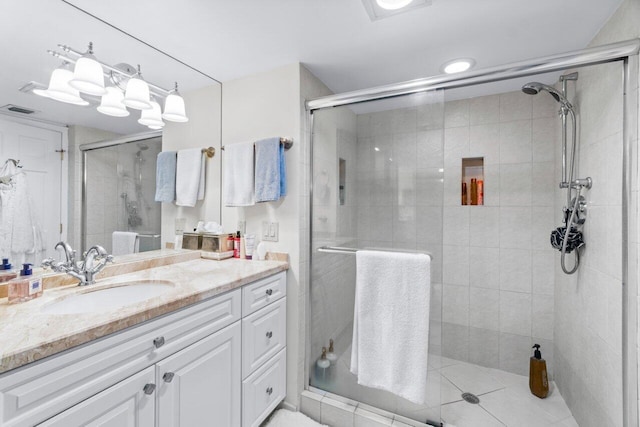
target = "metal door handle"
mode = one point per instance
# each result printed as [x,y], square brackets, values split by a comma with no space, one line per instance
[149,388]
[269,391]
[158,342]
[168,377]
[269,334]
[269,292]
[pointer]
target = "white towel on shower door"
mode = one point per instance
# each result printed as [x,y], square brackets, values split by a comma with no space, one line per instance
[391,322]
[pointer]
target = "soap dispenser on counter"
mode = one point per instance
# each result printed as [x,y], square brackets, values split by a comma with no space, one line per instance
[538,380]
[24,287]
[6,271]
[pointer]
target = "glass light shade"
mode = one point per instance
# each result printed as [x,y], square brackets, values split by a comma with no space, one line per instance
[137,94]
[111,103]
[174,109]
[60,90]
[151,117]
[155,127]
[393,4]
[88,77]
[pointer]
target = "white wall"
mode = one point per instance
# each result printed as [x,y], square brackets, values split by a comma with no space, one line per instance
[202,130]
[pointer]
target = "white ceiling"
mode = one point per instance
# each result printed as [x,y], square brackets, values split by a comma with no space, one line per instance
[334,39]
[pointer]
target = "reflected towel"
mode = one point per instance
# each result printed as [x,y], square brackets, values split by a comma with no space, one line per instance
[238,175]
[391,322]
[189,177]
[124,243]
[283,172]
[166,176]
[268,170]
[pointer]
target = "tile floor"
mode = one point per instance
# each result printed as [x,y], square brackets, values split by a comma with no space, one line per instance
[505,401]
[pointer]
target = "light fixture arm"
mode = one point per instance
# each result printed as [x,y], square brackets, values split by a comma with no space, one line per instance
[107,69]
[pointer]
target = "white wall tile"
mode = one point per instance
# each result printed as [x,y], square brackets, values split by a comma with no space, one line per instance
[336,413]
[455,265]
[515,270]
[515,351]
[456,225]
[484,226]
[430,148]
[455,304]
[484,308]
[515,106]
[515,313]
[543,183]
[515,141]
[484,267]
[542,316]
[514,232]
[484,109]
[456,113]
[484,141]
[515,184]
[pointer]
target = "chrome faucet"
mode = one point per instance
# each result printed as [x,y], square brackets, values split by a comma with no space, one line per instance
[84,271]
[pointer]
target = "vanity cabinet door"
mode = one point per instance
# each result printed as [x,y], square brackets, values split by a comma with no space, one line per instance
[128,403]
[201,385]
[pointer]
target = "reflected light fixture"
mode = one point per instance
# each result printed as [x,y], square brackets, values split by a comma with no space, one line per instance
[88,75]
[59,88]
[458,65]
[137,93]
[129,88]
[393,4]
[174,107]
[111,103]
[152,116]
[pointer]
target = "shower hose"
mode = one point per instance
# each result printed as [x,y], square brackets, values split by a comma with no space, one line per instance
[568,228]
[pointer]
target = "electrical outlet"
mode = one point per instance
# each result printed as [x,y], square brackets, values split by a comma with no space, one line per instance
[269,231]
[242,227]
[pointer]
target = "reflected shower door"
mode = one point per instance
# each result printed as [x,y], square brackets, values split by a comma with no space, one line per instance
[377,182]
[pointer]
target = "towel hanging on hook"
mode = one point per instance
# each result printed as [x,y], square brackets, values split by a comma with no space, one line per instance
[10,168]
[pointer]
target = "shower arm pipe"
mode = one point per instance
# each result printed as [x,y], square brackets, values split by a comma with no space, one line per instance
[596,55]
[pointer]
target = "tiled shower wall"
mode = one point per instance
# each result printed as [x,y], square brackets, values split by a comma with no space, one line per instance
[497,277]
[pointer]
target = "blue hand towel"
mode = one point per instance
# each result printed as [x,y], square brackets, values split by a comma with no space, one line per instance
[267,170]
[166,177]
[283,173]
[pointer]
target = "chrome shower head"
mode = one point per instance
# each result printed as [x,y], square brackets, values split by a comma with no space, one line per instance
[534,88]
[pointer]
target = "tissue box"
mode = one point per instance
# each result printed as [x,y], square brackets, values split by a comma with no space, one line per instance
[192,241]
[217,242]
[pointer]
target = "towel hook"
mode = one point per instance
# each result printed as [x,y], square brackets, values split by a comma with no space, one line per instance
[209,151]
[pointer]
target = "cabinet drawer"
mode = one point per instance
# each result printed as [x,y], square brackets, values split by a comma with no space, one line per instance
[264,334]
[263,292]
[264,390]
[42,389]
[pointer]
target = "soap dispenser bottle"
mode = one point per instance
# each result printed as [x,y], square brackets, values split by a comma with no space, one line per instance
[6,271]
[332,357]
[538,380]
[25,287]
[322,367]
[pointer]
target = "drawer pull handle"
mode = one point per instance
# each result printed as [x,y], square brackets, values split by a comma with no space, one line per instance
[269,391]
[269,334]
[158,342]
[149,388]
[269,292]
[168,377]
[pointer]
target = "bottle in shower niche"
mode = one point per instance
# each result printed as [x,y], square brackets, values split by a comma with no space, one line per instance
[25,287]
[480,192]
[464,193]
[474,191]
[538,380]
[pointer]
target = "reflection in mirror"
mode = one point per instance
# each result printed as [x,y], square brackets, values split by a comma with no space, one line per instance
[45,134]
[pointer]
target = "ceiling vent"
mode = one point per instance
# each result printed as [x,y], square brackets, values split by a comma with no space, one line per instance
[17,109]
[376,12]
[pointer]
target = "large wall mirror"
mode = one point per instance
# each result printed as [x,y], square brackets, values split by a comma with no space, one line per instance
[44,136]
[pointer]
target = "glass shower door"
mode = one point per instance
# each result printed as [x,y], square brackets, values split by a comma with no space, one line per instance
[378,180]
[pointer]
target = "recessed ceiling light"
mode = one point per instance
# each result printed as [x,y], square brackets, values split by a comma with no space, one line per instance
[458,65]
[393,4]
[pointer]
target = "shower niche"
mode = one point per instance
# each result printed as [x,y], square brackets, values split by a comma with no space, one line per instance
[472,186]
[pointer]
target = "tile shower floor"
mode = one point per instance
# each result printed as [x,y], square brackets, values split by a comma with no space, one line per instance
[505,399]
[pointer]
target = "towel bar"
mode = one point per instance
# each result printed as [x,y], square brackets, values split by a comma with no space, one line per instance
[287,142]
[352,251]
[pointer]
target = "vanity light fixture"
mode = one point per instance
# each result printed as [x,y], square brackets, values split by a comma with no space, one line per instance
[152,116]
[129,88]
[458,65]
[111,103]
[59,88]
[174,107]
[137,94]
[87,74]
[393,4]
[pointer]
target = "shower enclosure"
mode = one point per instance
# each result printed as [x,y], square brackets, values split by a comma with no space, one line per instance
[119,191]
[469,173]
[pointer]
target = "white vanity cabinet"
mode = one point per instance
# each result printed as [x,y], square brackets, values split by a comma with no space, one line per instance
[180,369]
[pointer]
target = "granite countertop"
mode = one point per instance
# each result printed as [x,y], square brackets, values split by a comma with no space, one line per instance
[29,334]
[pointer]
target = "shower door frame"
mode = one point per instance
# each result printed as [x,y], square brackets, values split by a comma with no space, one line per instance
[85,148]
[625,51]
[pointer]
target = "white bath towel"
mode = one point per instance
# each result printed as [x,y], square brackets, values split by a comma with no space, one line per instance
[267,170]
[189,177]
[238,175]
[391,322]
[124,243]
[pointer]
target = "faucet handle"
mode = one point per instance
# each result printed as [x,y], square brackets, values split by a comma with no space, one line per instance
[47,263]
[109,258]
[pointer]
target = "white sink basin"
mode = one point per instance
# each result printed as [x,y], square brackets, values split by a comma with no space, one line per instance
[111,298]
